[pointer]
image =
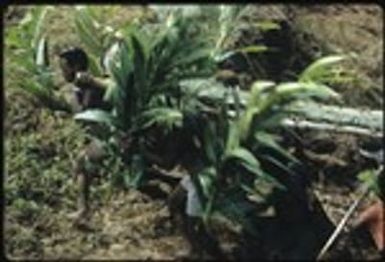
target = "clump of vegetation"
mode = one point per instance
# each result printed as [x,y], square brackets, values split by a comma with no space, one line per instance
[28,58]
[147,72]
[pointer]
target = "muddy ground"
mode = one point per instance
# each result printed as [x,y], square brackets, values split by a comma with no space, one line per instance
[41,145]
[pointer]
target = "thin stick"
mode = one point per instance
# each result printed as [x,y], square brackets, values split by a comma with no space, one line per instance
[343,221]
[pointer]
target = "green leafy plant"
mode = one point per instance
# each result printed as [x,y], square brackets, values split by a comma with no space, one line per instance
[145,72]
[228,20]
[147,91]
[232,145]
[149,66]
[220,24]
[95,36]
[327,70]
[231,170]
[27,51]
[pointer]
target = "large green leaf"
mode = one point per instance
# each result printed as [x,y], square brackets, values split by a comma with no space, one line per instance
[310,89]
[268,140]
[90,37]
[140,69]
[39,18]
[42,53]
[252,49]
[267,26]
[269,121]
[191,58]
[320,68]
[245,122]
[233,137]
[245,157]
[96,115]
[206,180]
[287,93]
[29,63]
[257,90]
[209,143]
[87,31]
[163,117]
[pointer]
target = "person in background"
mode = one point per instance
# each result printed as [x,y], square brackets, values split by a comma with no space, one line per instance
[87,93]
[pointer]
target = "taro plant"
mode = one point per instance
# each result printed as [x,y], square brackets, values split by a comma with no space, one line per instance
[28,54]
[232,146]
[148,66]
[221,26]
[146,69]
[230,171]
[95,36]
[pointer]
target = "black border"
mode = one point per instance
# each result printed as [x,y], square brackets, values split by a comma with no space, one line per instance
[26,2]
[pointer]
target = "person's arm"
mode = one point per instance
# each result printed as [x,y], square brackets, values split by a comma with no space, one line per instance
[84,79]
[93,89]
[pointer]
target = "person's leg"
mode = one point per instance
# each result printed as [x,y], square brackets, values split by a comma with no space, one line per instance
[85,169]
[177,203]
[84,191]
[82,179]
[192,228]
[192,234]
[207,241]
[186,224]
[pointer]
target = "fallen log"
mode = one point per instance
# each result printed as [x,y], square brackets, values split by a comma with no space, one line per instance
[349,119]
[305,115]
[308,125]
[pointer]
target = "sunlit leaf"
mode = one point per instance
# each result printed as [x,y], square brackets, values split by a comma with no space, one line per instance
[96,115]
[42,53]
[245,157]
[164,117]
[267,26]
[252,49]
[320,68]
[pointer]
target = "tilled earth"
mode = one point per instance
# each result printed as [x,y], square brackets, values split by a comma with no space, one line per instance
[129,224]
